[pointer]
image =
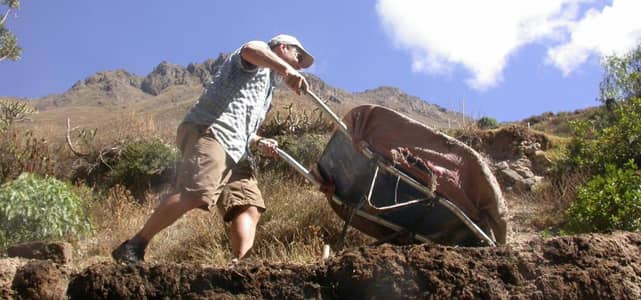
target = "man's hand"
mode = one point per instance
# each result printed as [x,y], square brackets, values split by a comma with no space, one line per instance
[296,81]
[267,148]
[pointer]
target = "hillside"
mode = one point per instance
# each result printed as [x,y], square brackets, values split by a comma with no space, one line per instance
[558,123]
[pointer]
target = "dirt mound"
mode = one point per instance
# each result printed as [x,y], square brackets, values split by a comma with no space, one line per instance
[505,142]
[578,267]
[41,279]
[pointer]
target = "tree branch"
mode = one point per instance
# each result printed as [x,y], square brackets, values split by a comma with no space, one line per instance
[77,153]
[4,18]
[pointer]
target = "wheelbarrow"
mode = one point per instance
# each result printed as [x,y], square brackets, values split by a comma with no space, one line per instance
[390,181]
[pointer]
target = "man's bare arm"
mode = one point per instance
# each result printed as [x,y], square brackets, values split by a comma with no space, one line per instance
[259,54]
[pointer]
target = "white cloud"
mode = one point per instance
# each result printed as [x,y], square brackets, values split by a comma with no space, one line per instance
[614,30]
[482,35]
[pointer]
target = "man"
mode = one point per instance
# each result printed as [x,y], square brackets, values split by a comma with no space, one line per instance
[216,139]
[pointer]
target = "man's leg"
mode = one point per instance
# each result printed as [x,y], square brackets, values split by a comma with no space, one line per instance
[203,168]
[243,230]
[167,212]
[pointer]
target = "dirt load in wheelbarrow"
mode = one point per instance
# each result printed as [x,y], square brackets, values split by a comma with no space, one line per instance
[401,181]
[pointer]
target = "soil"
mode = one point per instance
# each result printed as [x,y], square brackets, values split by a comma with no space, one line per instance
[503,143]
[575,267]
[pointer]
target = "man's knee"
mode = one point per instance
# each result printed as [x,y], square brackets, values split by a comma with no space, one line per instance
[194,200]
[253,211]
[246,211]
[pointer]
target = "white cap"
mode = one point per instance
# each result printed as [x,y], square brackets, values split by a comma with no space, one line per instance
[307,60]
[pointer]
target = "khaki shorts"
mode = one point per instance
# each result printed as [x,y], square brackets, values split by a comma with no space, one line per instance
[205,169]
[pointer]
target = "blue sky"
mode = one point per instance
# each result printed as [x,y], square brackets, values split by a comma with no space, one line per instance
[500,58]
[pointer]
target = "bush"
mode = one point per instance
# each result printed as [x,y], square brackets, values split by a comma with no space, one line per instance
[305,148]
[22,152]
[487,123]
[609,138]
[608,202]
[622,79]
[36,208]
[12,111]
[142,166]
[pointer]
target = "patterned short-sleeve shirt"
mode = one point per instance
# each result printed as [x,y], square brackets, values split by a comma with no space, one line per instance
[234,104]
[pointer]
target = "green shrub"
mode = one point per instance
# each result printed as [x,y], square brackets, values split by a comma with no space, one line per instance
[607,202]
[622,76]
[487,123]
[143,165]
[305,148]
[609,138]
[36,208]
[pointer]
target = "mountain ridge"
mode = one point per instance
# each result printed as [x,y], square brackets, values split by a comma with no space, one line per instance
[172,83]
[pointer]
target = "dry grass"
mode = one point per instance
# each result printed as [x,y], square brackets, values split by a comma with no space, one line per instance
[552,200]
[115,215]
[294,229]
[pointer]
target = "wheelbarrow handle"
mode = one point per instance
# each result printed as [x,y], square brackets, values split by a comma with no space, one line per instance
[297,166]
[328,111]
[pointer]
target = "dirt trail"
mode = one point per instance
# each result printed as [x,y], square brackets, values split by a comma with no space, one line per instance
[577,267]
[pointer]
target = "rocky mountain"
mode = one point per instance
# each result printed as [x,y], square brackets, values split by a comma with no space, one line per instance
[173,84]
[109,88]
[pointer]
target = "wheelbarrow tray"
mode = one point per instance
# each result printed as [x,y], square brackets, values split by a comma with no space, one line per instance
[353,177]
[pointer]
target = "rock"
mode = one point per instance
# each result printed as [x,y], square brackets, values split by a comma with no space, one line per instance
[529,147]
[522,162]
[110,80]
[510,178]
[41,279]
[204,71]
[166,75]
[502,165]
[524,171]
[8,269]
[541,164]
[59,252]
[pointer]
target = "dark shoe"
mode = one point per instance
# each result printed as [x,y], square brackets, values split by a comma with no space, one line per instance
[128,253]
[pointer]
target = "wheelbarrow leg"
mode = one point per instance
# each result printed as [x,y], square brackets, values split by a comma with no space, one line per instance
[348,222]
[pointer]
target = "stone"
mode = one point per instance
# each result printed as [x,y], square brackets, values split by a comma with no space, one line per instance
[166,75]
[524,171]
[510,177]
[502,165]
[541,164]
[8,269]
[41,279]
[59,252]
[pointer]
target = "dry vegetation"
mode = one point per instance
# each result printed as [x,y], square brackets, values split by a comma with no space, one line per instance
[294,229]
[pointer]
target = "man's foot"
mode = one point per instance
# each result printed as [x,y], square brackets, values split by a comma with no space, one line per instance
[128,253]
